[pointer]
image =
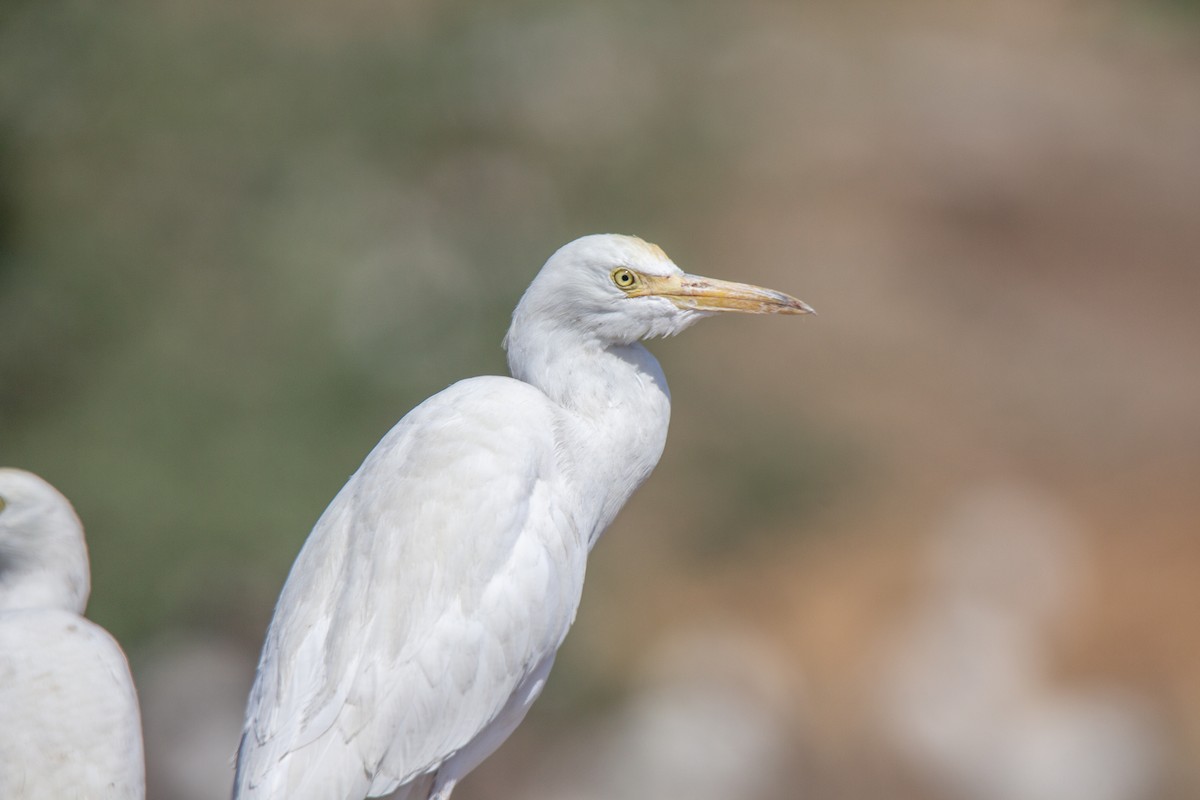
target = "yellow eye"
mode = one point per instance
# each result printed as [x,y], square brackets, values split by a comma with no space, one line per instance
[624,278]
[2,504]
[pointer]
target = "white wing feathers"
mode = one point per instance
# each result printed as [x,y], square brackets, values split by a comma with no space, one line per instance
[422,600]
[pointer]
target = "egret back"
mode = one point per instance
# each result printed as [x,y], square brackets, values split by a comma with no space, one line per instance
[69,723]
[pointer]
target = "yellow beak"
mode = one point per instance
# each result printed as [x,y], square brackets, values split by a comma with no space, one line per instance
[708,294]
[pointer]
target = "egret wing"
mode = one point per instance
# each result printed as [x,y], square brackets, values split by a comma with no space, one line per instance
[439,578]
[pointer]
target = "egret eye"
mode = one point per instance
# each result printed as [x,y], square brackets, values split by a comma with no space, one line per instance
[2,504]
[624,278]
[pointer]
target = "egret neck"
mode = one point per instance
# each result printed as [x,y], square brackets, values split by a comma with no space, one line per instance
[614,409]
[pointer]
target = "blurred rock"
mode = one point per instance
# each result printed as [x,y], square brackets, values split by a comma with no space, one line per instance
[1079,745]
[1013,551]
[710,720]
[966,700]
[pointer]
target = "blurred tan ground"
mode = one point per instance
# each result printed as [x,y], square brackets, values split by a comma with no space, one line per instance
[238,243]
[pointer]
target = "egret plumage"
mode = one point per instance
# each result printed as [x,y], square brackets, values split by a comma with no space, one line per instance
[69,721]
[422,616]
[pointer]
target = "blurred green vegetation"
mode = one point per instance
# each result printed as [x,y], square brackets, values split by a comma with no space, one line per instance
[1185,6]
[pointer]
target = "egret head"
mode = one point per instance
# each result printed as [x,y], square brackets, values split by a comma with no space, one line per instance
[43,558]
[620,289]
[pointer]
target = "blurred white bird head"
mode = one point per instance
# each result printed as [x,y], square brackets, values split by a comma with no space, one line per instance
[43,557]
[618,290]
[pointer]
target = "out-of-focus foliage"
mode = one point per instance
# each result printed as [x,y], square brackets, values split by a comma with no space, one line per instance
[239,240]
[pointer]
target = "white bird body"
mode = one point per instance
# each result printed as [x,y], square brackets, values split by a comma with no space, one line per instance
[69,721]
[68,724]
[423,614]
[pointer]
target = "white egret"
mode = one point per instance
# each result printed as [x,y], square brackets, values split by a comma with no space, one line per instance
[422,616]
[69,723]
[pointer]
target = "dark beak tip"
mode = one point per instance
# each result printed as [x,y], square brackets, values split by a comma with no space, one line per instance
[801,307]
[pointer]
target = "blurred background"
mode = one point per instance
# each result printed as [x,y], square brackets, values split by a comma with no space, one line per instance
[940,541]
